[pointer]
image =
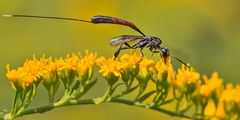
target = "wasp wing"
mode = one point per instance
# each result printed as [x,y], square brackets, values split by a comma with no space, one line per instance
[124,39]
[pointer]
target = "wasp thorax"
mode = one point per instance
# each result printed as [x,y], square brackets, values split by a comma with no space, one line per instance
[157,40]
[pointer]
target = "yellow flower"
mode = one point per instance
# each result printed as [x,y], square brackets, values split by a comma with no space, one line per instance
[220,112]
[110,67]
[214,84]
[231,95]
[131,61]
[59,64]
[143,68]
[161,67]
[13,75]
[164,67]
[187,78]
[71,62]
[48,66]
[100,61]
[85,65]
[210,109]
[31,72]
[75,63]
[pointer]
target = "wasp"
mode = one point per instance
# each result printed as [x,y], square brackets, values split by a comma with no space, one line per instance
[142,41]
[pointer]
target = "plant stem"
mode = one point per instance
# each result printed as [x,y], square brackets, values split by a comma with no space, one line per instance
[47,108]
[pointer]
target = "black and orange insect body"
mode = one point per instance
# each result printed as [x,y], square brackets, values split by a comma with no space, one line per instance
[112,20]
[143,41]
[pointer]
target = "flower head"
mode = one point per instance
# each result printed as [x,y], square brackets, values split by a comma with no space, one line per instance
[49,69]
[144,69]
[25,76]
[212,85]
[85,65]
[131,62]
[230,98]
[75,63]
[187,79]
[110,69]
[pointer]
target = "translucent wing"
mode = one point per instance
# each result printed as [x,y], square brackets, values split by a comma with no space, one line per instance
[124,38]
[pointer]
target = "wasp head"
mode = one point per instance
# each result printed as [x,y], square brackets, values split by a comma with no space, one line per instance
[165,52]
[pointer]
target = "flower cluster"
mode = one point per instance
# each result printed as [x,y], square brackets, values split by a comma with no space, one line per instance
[74,71]
[185,86]
[45,69]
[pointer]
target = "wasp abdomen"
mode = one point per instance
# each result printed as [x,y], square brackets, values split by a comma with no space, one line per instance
[101,19]
[107,19]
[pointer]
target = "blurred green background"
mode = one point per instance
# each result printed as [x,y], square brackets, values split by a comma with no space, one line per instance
[204,33]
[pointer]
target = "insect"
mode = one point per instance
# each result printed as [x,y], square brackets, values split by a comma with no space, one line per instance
[143,41]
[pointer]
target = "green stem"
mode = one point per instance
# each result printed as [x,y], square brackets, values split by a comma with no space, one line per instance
[143,105]
[106,97]
[63,100]
[47,108]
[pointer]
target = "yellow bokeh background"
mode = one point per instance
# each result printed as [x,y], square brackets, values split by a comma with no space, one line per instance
[204,33]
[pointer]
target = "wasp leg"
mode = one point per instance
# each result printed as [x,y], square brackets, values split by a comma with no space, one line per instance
[141,50]
[121,48]
[154,51]
[127,45]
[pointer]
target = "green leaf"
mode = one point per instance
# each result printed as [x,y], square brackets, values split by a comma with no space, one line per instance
[16,101]
[126,91]
[145,96]
[167,101]
[132,89]
[116,87]
[90,85]
[55,89]
[75,88]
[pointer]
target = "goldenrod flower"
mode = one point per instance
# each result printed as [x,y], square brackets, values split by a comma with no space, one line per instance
[161,67]
[210,109]
[210,96]
[13,75]
[74,63]
[110,67]
[85,66]
[71,62]
[214,84]
[220,112]
[187,79]
[26,75]
[231,99]
[59,64]
[143,69]
[131,62]
[163,70]
[49,68]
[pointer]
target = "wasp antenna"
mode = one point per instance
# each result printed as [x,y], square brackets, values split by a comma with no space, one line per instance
[180,61]
[47,17]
